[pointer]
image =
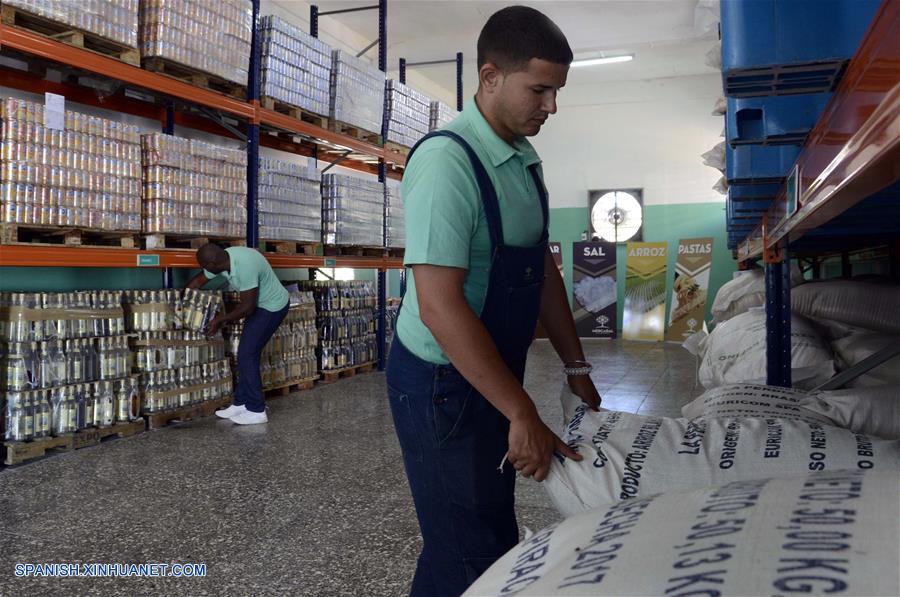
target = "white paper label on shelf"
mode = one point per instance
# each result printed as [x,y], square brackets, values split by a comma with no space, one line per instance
[54,111]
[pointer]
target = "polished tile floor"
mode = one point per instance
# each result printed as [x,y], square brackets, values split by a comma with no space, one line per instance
[314,503]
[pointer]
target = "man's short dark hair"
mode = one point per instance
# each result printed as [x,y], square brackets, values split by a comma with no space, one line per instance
[516,34]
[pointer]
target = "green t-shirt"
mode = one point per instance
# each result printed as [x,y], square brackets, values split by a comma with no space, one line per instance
[249,269]
[445,221]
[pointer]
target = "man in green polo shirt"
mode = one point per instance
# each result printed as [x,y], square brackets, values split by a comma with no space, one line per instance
[481,277]
[264,303]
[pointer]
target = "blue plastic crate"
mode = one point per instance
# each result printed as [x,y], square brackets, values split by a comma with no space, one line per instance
[781,120]
[753,192]
[759,164]
[783,47]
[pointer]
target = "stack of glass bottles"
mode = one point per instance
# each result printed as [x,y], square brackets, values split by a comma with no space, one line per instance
[179,365]
[345,318]
[290,355]
[66,363]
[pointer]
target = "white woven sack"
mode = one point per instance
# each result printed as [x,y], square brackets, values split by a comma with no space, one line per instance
[627,456]
[746,291]
[872,411]
[856,346]
[871,306]
[818,534]
[735,352]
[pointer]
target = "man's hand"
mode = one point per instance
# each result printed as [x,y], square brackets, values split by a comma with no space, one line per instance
[213,326]
[531,446]
[583,387]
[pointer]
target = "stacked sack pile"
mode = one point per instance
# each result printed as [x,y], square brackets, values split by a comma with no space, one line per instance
[178,364]
[66,363]
[345,319]
[755,489]
[290,355]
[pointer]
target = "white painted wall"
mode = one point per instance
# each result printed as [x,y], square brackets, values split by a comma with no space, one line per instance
[645,134]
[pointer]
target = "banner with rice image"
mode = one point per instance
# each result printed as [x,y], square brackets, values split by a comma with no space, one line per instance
[644,316]
[690,289]
[594,289]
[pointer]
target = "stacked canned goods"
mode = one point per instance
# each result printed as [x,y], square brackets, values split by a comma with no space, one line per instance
[394,217]
[296,67]
[346,323]
[352,211]
[116,20]
[357,92]
[290,202]
[290,355]
[441,115]
[193,187]
[178,364]
[408,114]
[86,175]
[213,37]
[66,363]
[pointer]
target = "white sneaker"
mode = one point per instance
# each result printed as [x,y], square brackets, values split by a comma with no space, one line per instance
[232,411]
[250,418]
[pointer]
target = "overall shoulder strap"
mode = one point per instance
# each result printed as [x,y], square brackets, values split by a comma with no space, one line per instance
[485,186]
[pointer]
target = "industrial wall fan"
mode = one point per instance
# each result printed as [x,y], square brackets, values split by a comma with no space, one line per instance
[616,216]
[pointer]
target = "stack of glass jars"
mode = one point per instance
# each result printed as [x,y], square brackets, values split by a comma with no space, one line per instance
[116,20]
[193,188]
[290,202]
[346,323]
[87,175]
[290,355]
[66,363]
[352,211]
[213,37]
[408,114]
[441,115]
[178,364]
[394,217]
[357,92]
[296,67]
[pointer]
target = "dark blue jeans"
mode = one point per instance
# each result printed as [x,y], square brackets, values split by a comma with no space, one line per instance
[453,441]
[258,328]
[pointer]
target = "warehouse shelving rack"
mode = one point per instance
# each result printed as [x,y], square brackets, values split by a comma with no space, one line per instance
[173,102]
[843,191]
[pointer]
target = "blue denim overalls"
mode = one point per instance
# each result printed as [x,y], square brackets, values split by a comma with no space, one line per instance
[451,437]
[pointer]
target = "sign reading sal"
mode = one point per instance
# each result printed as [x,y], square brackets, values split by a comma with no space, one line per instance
[594,289]
[690,289]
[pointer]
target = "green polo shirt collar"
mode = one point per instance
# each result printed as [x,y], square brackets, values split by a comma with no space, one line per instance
[499,150]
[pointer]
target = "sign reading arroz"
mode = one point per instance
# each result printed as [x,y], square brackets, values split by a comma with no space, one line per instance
[627,456]
[825,533]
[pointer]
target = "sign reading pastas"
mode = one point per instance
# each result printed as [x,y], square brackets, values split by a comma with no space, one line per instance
[689,291]
[594,289]
[645,291]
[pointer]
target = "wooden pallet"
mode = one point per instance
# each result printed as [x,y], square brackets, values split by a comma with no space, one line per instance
[354,131]
[95,435]
[345,251]
[187,241]
[187,413]
[18,452]
[396,148]
[11,15]
[327,377]
[270,103]
[289,247]
[195,77]
[289,388]
[17,234]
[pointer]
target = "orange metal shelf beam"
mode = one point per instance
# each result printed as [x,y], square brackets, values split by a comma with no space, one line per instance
[38,45]
[287,123]
[68,256]
[854,149]
[280,261]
